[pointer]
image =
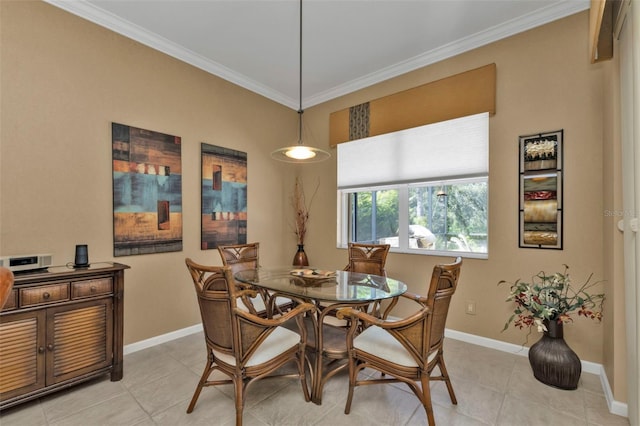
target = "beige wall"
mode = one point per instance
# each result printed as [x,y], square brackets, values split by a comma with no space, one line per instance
[64,80]
[544,83]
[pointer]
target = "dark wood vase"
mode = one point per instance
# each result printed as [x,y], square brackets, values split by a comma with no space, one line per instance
[300,258]
[553,362]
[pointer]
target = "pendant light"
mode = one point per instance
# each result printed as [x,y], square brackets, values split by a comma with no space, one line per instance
[300,153]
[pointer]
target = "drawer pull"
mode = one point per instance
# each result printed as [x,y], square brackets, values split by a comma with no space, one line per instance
[41,349]
[50,346]
[93,289]
[46,295]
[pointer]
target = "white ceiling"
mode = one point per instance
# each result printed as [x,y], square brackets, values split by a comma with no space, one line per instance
[347,44]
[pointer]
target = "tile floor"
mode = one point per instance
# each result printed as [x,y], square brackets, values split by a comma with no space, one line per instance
[492,387]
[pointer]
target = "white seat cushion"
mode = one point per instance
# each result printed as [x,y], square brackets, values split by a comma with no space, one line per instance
[377,341]
[279,341]
[336,322]
[281,301]
[258,303]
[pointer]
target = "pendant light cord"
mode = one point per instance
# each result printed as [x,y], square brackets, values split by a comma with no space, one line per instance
[299,153]
[300,83]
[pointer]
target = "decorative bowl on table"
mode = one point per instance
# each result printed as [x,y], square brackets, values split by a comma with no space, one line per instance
[312,277]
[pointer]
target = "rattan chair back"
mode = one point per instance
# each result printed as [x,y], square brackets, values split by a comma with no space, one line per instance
[368,258]
[240,257]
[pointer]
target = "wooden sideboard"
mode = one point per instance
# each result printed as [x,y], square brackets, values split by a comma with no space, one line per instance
[61,326]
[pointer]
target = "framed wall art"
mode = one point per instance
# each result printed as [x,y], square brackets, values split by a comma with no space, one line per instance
[540,191]
[224,196]
[147,191]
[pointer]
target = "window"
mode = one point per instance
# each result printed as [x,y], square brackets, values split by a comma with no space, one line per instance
[374,215]
[430,182]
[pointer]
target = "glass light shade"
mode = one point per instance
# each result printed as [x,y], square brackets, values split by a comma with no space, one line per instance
[300,154]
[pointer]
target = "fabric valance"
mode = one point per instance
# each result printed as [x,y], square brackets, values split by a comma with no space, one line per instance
[460,95]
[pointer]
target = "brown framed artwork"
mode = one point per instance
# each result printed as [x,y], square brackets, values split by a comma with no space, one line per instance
[147,191]
[223,196]
[541,191]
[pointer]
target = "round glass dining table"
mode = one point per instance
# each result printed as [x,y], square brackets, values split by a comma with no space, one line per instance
[328,290]
[324,285]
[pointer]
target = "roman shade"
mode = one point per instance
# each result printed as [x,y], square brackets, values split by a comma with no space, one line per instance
[447,150]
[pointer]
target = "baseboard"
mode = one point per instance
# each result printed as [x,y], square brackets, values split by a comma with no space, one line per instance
[615,407]
[164,338]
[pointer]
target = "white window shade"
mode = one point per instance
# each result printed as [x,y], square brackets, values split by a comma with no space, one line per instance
[449,149]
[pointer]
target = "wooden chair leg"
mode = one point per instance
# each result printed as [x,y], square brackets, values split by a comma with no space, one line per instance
[239,391]
[194,399]
[352,383]
[426,400]
[201,383]
[303,377]
[445,375]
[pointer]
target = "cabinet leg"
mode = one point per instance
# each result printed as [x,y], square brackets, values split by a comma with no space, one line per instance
[116,373]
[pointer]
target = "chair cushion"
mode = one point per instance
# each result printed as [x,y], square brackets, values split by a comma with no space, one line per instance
[281,301]
[279,341]
[331,320]
[258,303]
[377,341]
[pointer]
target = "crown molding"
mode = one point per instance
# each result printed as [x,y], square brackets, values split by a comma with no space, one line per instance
[128,29]
[535,19]
[110,21]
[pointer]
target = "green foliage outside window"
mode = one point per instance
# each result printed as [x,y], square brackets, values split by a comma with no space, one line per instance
[386,215]
[456,215]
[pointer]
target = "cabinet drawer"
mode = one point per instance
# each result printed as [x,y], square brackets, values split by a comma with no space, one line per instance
[44,294]
[80,289]
[12,301]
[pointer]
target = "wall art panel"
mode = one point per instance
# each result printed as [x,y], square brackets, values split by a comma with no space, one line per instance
[147,191]
[224,196]
[541,207]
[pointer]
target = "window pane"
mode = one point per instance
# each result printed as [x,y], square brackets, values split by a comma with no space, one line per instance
[412,191]
[425,218]
[449,217]
[374,217]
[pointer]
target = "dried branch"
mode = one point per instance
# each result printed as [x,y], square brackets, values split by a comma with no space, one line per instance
[301,208]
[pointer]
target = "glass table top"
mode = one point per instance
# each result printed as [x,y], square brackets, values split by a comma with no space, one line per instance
[319,284]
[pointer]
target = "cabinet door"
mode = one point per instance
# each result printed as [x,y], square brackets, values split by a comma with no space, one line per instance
[79,339]
[22,353]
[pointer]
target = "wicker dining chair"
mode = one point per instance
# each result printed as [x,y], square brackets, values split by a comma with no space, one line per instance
[365,259]
[405,350]
[368,258]
[240,257]
[239,344]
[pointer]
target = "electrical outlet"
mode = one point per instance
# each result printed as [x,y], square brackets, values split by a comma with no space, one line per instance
[470,307]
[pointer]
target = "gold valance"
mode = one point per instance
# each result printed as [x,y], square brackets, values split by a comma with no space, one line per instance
[463,94]
[601,22]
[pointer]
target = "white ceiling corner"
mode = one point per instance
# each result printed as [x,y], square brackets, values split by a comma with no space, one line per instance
[347,45]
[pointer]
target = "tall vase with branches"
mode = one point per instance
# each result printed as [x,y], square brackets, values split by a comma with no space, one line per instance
[301,210]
